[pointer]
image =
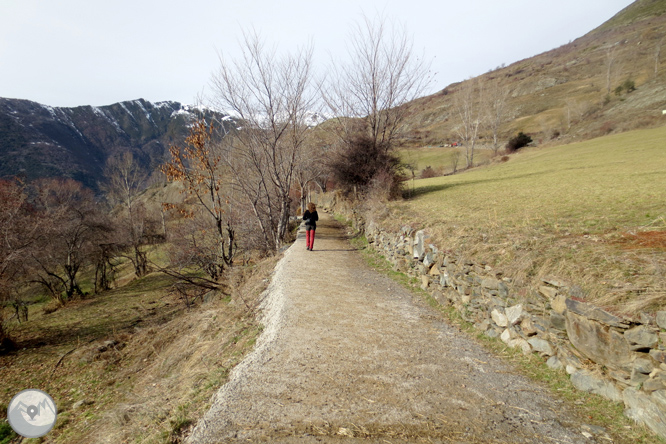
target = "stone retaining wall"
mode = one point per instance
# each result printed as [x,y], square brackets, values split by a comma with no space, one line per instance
[621,360]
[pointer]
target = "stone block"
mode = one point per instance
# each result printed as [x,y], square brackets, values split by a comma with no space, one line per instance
[652,385]
[490,283]
[514,314]
[557,321]
[586,381]
[499,318]
[425,282]
[643,365]
[658,355]
[554,363]
[419,245]
[522,344]
[597,314]
[541,346]
[554,282]
[559,304]
[548,292]
[527,326]
[661,319]
[647,409]
[642,337]
[599,342]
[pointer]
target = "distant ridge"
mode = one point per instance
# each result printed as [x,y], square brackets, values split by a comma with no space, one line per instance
[42,141]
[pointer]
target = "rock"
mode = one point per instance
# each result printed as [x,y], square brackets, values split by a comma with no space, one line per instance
[425,282]
[557,321]
[637,378]
[647,409]
[492,333]
[434,271]
[419,245]
[554,363]
[643,365]
[554,282]
[597,314]
[499,318]
[642,337]
[658,355]
[598,342]
[521,344]
[84,402]
[661,319]
[586,381]
[527,326]
[503,290]
[490,283]
[541,346]
[429,259]
[548,292]
[506,336]
[652,385]
[559,304]
[570,369]
[514,314]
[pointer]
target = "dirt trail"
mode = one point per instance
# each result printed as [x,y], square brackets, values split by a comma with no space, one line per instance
[350,356]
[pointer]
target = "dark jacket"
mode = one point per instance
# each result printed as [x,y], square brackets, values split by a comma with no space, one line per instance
[310,219]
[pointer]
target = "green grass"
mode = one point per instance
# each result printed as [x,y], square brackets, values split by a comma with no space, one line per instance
[616,181]
[573,211]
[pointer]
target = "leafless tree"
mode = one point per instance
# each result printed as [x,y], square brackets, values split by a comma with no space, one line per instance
[496,98]
[19,230]
[67,239]
[611,65]
[367,94]
[125,180]
[468,103]
[271,95]
[657,56]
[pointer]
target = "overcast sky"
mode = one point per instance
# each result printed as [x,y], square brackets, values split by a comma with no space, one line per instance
[98,52]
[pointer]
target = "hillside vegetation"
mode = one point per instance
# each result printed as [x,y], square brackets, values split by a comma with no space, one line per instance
[590,212]
[573,92]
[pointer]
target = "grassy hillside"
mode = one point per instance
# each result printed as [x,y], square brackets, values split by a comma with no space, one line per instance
[568,93]
[593,213]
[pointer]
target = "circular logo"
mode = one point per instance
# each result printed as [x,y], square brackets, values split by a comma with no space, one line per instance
[32,413]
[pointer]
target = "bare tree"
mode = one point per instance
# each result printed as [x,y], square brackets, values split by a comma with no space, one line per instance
[367,94]
[68,239]
[611,65]
[271,96]
[468,103]
[496,97]
[19,230]
[657,56]
[125,180]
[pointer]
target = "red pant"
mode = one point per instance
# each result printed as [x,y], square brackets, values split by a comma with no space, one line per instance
[309,238]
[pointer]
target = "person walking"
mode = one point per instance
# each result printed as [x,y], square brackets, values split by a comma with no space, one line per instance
[310,217]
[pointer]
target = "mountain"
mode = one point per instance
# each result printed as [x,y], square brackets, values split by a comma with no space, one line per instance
[612,79]
[42,141]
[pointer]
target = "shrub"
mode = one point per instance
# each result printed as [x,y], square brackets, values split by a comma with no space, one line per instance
[517,142]
[360,161]
[428,172]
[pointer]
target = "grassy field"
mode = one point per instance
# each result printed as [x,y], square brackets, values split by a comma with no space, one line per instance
[593,213]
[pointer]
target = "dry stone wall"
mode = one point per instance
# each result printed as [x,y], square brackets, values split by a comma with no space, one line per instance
[619,359]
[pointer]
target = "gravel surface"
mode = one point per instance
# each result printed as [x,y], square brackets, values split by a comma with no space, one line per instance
[348,355]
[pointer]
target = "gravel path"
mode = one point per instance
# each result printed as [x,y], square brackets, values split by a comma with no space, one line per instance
[350,356]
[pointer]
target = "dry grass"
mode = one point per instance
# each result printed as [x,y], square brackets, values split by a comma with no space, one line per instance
[591,213]
[156,379]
